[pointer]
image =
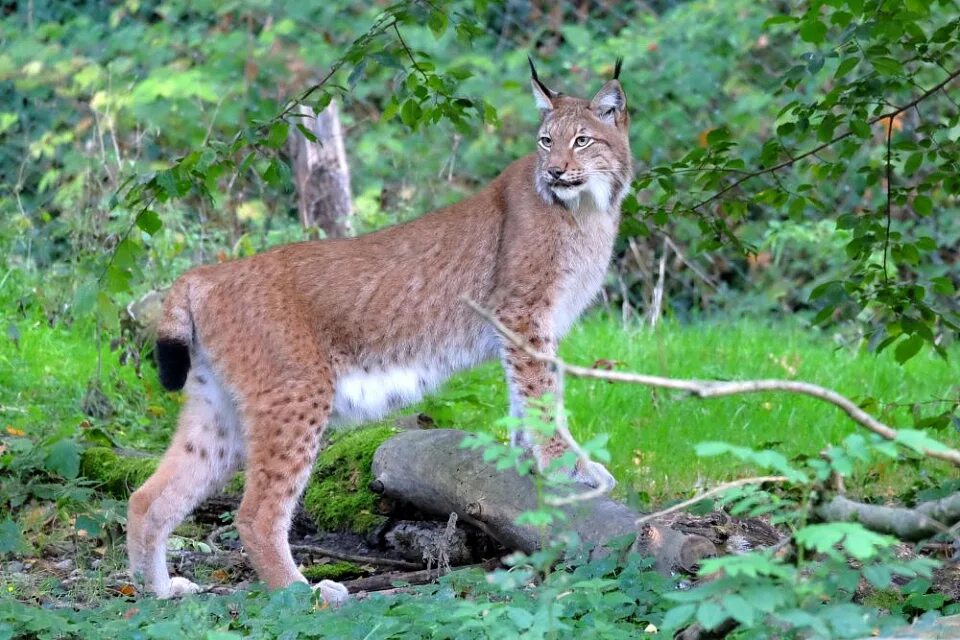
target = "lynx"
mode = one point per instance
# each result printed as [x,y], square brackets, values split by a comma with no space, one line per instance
[273,348]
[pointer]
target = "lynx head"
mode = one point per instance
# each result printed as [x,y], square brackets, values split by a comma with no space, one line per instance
[583,149]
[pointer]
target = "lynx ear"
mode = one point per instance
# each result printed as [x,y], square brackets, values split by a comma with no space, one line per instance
[541,93]
[610,102]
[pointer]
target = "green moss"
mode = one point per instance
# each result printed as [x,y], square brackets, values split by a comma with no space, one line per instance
[331,571]
[116,474]
[337,497]
[885,599]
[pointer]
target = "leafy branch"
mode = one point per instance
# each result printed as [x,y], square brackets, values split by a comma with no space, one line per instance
[889,115]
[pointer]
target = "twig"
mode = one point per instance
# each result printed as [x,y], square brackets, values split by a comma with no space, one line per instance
[403,44]
[680,506]
[886,236]
[786,163]
[338,555]
[713,389]
[690,264]
[215,536]
[602,486]
[384,581]
[656,305]
[324,551]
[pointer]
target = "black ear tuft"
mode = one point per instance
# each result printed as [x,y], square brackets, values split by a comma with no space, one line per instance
[173,363]
[616,69]
[536,79]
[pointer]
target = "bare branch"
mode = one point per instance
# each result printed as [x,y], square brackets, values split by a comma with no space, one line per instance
[714,389]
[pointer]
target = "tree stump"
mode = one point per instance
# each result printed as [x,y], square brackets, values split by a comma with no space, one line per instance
[321,172]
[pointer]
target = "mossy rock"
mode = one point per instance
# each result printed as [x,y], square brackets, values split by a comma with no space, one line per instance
[331,571]
[337,497]
[116,474]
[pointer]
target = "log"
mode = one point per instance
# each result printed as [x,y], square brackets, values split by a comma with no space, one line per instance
[429,470]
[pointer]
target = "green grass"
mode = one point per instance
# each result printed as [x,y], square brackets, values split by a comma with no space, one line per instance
[652,434]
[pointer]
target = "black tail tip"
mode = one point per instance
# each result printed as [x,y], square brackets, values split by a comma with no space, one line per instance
[173,363]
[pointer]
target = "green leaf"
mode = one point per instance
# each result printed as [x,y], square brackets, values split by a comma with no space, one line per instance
[923,205]
[908,348]
[885,65]
[277,136]
[149,221]
[739,609]
[437,23]
[520,617]
[711,615]
[926,601]
[678,616]
[63,458]
[11,540]
[306,133]
[718,135]
[846,66]
[913,163]
[89,525]
[813,31]
[410,113]
[85,297]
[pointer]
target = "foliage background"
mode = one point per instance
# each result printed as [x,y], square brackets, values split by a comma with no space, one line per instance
[138,139]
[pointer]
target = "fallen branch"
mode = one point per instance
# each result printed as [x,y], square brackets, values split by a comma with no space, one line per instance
[713,389]
[709,494]
[349,557]
[917,523]
[386,581]
[321,551]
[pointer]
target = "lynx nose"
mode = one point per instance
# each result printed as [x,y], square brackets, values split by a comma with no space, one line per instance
[555,172]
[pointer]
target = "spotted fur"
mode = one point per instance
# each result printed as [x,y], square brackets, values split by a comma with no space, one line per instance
[273,348]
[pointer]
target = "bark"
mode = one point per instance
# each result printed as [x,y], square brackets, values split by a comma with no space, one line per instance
[917,523]
[321,172]
[430,470]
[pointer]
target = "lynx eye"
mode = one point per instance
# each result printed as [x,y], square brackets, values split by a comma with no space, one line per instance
[583,141]
[544,142]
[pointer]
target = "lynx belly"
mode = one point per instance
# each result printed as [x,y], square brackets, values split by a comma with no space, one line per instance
[364,394]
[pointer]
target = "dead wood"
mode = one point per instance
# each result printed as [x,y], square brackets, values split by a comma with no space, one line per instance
[386,581]
[917,523]
[321,172]
[431,471]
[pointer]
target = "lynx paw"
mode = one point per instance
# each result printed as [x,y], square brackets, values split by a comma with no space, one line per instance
[179,587]
[599,476]
[333,593]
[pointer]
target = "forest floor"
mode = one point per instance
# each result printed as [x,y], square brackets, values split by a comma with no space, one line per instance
[71,551]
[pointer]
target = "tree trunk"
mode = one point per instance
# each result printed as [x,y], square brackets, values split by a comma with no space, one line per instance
[321,173]
[429,470]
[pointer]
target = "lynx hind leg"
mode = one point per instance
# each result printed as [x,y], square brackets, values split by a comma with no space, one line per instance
[286,423]
[206,450]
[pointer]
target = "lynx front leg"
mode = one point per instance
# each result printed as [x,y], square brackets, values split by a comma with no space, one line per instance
[530,379]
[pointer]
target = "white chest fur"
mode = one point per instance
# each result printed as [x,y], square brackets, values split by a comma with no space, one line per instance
[586,264]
